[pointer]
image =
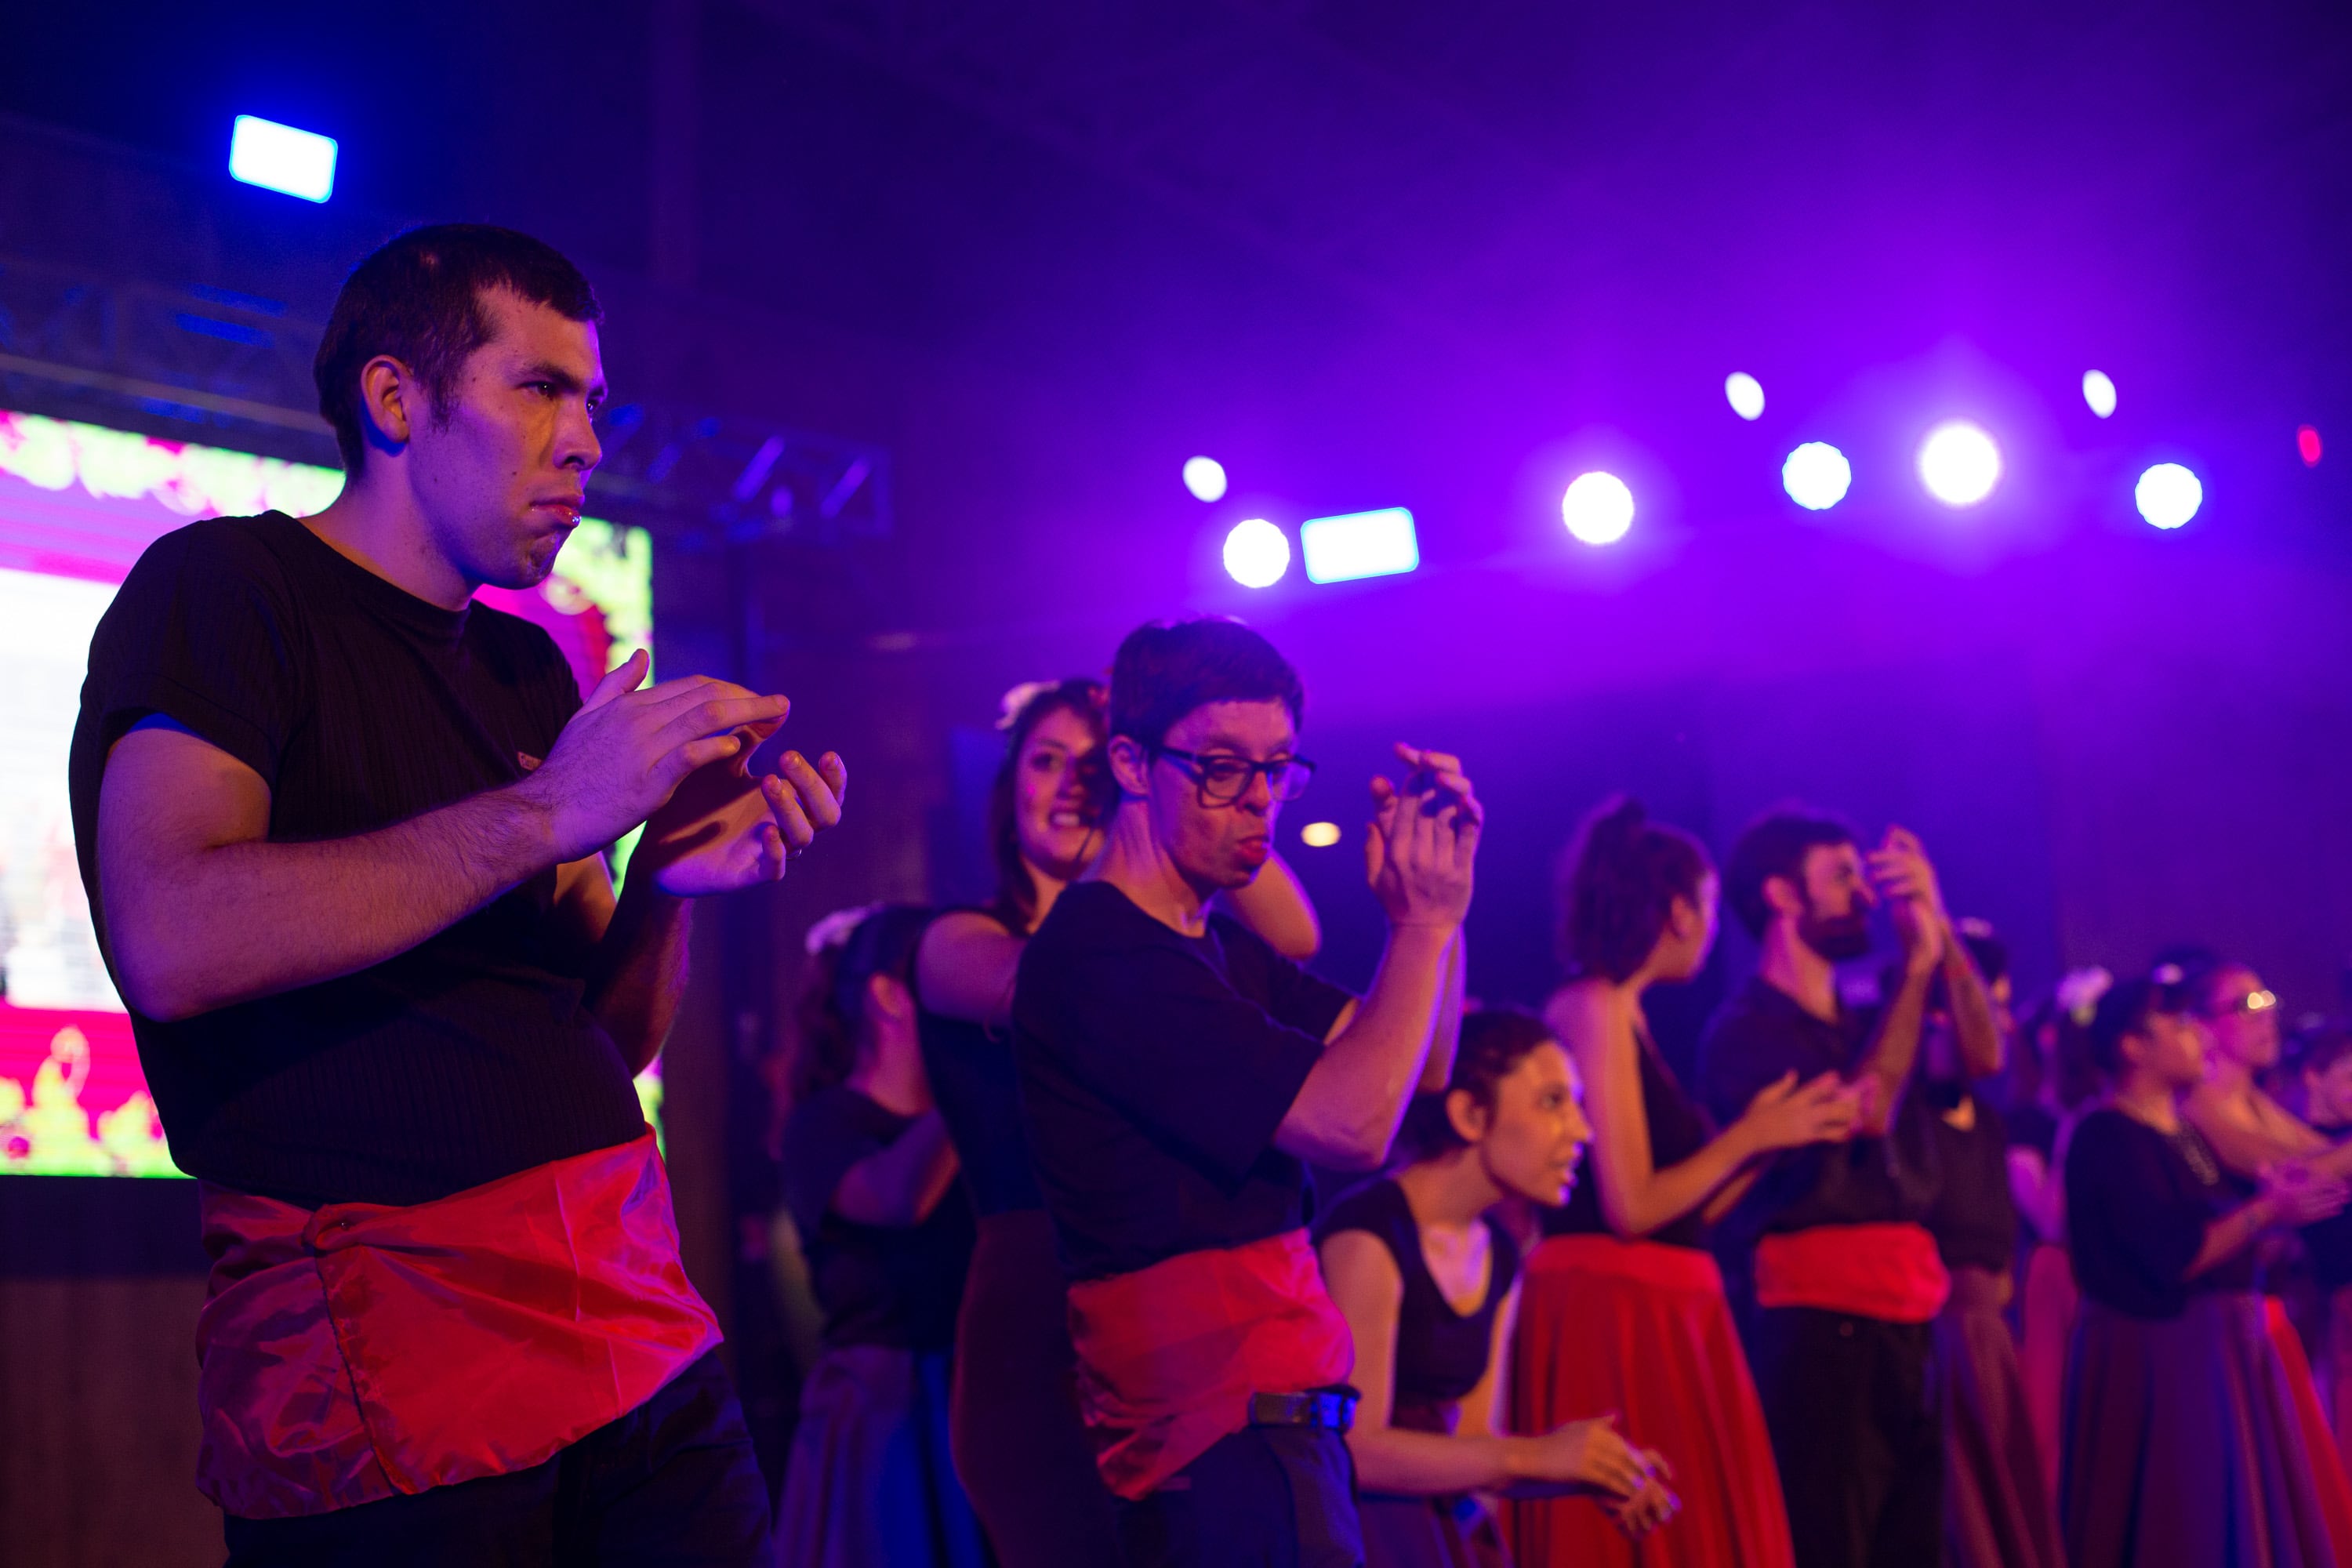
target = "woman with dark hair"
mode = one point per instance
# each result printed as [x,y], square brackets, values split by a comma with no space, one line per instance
[1020,1447]
[1429,1286]
[2181,1442]
[1625,1308]
[2000,1506]
[868,1177]
[2251,1131]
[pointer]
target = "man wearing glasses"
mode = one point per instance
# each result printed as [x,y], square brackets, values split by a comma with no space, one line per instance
[1176,1074]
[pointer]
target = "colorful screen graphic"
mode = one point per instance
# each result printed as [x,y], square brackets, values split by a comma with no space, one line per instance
[77,504]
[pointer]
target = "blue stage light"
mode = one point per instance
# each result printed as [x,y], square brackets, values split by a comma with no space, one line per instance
[1816,476]
[280,158]
[1597,508]
[1205,478]
[1746,394]
[1257,554]
[1359,544]
[2167,495]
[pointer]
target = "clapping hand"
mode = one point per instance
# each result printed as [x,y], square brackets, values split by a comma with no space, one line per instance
[1905,878]
[1422,846]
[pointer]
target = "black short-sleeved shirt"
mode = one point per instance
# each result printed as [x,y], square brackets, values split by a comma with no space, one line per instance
[972,1080]
[1974,1217]
[1440,1354]
[2330,1241]
[1762,1032]
[1155,1070]
[2032,1126]
[879,1285]
[2138,1204]
[473,1055]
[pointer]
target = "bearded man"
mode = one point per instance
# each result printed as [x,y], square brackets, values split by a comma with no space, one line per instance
[1837,1280]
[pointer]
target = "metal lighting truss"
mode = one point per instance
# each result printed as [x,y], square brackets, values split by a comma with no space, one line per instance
[233,370]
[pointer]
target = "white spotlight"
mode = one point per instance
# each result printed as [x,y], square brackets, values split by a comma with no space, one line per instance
[1746,393]
[1958,464]
[2099,391]
[1816,476]
[1257,554]
[1205,478]
[2167,495]
[1597,508]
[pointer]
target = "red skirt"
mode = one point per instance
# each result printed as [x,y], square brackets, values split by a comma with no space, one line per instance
[2327,1475]
[1643,1329]
[2047,1315]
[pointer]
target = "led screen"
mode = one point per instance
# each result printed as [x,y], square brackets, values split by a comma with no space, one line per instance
[77,503]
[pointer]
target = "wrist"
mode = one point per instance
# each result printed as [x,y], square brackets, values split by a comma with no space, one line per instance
[1522,1460]
[531,811]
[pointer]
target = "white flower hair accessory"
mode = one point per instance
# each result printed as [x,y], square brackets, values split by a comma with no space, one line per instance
[1020,697]
[834,929]
[2079,992]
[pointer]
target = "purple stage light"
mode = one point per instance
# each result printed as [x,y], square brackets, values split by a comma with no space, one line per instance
[1205,478]
[1320,835]
[1816,476]
[2099,391]
[1257,554]
[2306,446]
[2167,495]
[1597,508]
[281,158]
[1958,463]
[1359,544]
[1746,394]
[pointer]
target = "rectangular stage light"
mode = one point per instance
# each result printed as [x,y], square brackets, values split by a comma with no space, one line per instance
[280,158]
[1360,544]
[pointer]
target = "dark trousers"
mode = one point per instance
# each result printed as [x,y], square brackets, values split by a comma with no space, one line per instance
[1856,1433]
[1267,1497]
[672,1483]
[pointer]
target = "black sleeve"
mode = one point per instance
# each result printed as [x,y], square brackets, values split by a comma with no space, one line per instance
[2118,1190]
[1164,1038]
[200,633]
[1739,1055]
[826,1133]
[1293,998]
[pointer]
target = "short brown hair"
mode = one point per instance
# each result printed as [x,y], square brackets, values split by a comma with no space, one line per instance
[419,300]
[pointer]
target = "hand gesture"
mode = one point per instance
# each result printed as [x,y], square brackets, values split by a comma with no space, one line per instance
[1787,1115]
[725,829]
[1652,1506]
[2300,1195]
[1906,879]
[1420,849]
[1593,1454]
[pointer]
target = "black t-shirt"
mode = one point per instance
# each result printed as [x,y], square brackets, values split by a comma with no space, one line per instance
[1762,1032]
[970,1070]
[2138,1204]
[1678,1130]
[2032,1126]
[879,1285]
[1440,1354]
[1155,1070]
[1974,1217]
[473,1055]
[2330,1241]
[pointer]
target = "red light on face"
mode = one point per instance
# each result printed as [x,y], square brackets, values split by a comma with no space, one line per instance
[2306,442]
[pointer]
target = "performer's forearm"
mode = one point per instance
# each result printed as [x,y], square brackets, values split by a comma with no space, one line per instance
[1890,1057]
[1347,1113]
[1978,1036]
[195,926]
[1447,1038]
[639,968]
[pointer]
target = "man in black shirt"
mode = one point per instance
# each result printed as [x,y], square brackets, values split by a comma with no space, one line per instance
[1837,1279]
[1175,1072]
[341,830]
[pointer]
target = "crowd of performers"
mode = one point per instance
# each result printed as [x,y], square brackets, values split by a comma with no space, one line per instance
[1518,1294]
[1134,1241]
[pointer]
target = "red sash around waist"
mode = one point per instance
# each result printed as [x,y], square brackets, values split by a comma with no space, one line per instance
[362,1349]
[1168,1356]
[1891,1272]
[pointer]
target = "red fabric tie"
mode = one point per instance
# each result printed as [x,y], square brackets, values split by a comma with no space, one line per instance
[1891,1272]
[1168,1356]
[363,1350]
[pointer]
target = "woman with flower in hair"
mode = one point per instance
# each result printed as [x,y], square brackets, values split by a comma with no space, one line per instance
[1020,1447]
[868,1177]
[1625,1307]
[1429,1284]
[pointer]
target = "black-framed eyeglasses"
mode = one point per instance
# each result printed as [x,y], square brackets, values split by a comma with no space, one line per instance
[1224,778]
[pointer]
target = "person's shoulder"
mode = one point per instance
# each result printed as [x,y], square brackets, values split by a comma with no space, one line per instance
[218,550]
[1089,917]
[1368,1206]
[2102,1130]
